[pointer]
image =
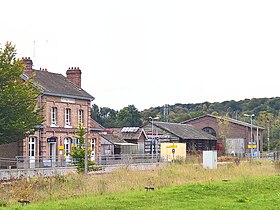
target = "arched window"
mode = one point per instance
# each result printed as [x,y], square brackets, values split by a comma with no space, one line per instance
[210,131]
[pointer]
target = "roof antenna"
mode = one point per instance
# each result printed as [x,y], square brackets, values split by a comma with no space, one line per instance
[34,43]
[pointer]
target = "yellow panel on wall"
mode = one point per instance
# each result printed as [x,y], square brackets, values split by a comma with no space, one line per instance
[172,151]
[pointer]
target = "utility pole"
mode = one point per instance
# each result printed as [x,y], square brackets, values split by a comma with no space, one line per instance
[86,152]
[153,147]
[251,136]
[268,146]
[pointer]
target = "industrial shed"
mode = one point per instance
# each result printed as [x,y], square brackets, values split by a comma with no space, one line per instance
[159,132]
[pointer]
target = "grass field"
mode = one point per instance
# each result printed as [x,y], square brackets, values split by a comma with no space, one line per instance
[250,185]
[246,193]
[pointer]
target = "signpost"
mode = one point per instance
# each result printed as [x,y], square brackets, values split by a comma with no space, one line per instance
[172,146]
[252,145]
[173,153]
[51,140]
[251,136]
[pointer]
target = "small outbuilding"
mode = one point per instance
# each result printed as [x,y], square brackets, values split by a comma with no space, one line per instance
[113,145]
[195,139]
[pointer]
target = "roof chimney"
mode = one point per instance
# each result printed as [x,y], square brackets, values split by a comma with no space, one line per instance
[28,65]
[74,75]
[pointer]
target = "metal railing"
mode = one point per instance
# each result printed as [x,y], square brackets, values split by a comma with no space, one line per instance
[8,163]
[125,159]
[41,162]
[275,155]
[22,162]
[271,155]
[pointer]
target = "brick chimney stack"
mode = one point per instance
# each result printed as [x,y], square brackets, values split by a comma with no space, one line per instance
[74,75]
[28,65]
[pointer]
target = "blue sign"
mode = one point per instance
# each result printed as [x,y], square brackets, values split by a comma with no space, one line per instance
[51,140]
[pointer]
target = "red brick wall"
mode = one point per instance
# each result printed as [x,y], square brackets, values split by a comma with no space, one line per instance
[10,150]
[235,130]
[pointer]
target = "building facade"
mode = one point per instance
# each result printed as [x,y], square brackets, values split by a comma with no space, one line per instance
[237,134]
[64,105]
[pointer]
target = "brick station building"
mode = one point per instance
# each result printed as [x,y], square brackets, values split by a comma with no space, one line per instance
[238,133]
[65,105]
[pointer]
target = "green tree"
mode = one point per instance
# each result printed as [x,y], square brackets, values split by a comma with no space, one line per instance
[19,114]
[223,123]
[181,117]
[108,117]
[171,116]
[128,116]
[275,134]
[104,116]
[78,151]
[95,114]
[265,119]
[149,113]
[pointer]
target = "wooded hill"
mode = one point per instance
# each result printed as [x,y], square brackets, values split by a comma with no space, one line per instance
[234,109]
[266,111]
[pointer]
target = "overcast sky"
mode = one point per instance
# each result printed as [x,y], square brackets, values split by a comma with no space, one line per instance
[152,52]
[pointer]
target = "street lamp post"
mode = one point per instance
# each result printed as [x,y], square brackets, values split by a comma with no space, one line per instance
[251,136]
[152,121]
[268,146]
[86,152]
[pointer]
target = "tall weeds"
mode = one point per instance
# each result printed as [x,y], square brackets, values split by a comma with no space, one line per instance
[123,179]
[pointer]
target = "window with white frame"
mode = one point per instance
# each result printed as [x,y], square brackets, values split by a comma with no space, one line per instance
[32,146]
[81,116]
[75,141]
[92,147]
[67,117]
[92,144]
[54,116]
[67,148]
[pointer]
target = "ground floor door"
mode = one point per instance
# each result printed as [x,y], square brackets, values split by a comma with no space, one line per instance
[53,153]
[32,151]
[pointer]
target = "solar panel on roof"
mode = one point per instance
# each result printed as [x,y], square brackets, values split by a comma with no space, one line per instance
[136,129]
[124,129]
[129,129]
